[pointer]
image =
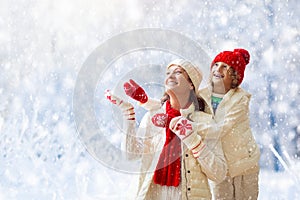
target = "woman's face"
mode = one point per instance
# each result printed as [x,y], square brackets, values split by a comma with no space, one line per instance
[177,80]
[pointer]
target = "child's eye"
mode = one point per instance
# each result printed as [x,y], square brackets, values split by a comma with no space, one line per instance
[178,72]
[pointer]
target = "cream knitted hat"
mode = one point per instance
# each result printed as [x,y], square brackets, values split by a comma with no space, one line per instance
[193,71]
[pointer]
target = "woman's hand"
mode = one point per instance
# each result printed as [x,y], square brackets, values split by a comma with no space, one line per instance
[135,91]
[126,107]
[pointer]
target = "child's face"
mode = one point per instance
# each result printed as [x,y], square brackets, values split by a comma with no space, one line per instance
[220,76]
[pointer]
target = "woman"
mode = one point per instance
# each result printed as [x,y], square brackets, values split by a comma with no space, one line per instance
[175,160]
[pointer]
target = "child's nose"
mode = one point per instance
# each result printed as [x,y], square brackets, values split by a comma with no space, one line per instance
[219,67]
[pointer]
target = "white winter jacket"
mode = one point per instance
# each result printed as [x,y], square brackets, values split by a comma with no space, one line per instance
[231,124]
[147,142]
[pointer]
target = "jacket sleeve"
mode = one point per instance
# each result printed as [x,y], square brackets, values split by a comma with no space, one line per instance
[215,128]
[209,154]
[212,160]
[132,145]
[151,104]
[141,140]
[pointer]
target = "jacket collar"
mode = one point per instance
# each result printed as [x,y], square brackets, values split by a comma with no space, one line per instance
[185,112]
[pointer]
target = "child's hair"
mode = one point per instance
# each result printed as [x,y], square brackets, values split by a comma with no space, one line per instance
[234,77]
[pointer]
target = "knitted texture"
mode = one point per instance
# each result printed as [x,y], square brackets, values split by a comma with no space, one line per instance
[168,169]
[193,72]
[237,59]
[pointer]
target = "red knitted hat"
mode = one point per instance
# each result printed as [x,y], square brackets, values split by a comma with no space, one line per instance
[238,59]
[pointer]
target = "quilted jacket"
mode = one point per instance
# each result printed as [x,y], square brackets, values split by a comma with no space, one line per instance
[147,142]
[231,123]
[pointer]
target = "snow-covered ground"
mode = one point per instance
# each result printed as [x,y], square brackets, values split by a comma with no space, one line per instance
[89,180]
[278,186]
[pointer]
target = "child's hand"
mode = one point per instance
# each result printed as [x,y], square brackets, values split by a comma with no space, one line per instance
[181,126]
[186,130]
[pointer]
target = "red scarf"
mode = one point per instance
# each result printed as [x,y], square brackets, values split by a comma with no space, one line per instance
[168,168]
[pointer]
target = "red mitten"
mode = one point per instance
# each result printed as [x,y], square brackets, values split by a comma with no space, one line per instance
[160,119]
[135,91]
[126,107]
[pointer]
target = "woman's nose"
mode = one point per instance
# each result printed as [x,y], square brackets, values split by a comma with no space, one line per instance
[171,75]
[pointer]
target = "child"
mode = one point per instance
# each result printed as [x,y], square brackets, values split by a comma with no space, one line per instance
[228,105]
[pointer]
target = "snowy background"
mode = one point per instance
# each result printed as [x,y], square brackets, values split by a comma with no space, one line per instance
[43,45]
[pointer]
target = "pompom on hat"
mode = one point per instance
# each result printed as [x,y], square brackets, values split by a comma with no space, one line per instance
[237,59]
[193,71]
